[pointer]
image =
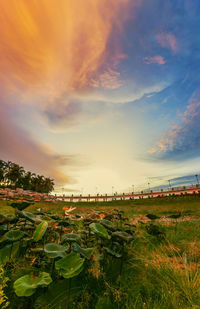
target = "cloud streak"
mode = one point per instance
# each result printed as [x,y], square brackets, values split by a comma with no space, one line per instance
[156,59]
[18,146]
[61,46]
[183,140]
[168,40]
[53,51]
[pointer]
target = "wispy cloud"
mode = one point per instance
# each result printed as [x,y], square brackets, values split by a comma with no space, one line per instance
[54,51]
[155,59]
[168,40]
[181,140]
[18,146]
[63,46]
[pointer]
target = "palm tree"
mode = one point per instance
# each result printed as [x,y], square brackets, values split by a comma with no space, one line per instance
[37,183]
[26,180]
[2,170]
[48,185]
[14,174]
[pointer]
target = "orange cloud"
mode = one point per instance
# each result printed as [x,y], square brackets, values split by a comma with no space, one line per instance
[61,45]
[179,134]
[18,146]
[52,51]
[167,142]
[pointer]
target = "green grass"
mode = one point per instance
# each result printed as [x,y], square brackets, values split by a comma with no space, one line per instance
[189,205]
[157,274]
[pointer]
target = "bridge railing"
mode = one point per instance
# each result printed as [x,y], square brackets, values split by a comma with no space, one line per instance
[145,192]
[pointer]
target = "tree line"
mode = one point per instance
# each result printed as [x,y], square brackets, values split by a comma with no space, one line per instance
[14,176]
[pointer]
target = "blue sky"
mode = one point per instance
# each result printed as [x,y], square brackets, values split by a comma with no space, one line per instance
[106,104]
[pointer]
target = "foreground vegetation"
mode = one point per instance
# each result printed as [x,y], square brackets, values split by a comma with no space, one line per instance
[129,262]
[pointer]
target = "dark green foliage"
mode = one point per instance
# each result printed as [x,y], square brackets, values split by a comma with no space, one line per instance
[99,230]
[155,230]
[69,238]
[27,285]
[85,252]
[175,216]
[152,216]
[21,205]
[14,176]
[79,262]
[137,266]
[70,266]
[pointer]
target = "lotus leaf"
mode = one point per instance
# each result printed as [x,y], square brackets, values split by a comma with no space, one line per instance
[64,223]
[85,252]
[2,219]
[112,252]
[40,231]
[122,236]
[71,265]
[12,236]
[21,205]
[99,230]
[56,296]
[54,250]
[9,251]
[107,224]
[28,216]
[71,238]
[4,227]
[27,285]
[56,218]
[11,218]
[156,231]
[87,222]
[38,249]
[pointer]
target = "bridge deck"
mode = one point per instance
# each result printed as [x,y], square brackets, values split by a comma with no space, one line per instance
[184,190]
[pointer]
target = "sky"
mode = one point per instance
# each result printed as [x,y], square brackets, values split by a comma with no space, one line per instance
[101,95]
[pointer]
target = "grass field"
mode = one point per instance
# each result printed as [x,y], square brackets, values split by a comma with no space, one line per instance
[159,273]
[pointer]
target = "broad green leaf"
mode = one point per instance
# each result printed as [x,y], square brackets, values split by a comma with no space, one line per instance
[85,252]
[21,205]
[57,297]
[10,219]
[38,249]
[70,266]
[27,285]
[112,252]
[28,216]
[12,236]
[99,230]
[71,238]
[122,236]
[54,250]
[40,231]
[9,251]
[108,224]
[2,219]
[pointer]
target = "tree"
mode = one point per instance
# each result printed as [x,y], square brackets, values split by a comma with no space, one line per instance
[48,185]
[14,174]
[2,170]
[26,180]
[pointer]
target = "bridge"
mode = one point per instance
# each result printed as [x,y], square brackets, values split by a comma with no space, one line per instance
[139,195]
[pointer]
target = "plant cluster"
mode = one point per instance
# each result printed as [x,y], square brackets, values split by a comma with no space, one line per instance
[14,176]
[54,261]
